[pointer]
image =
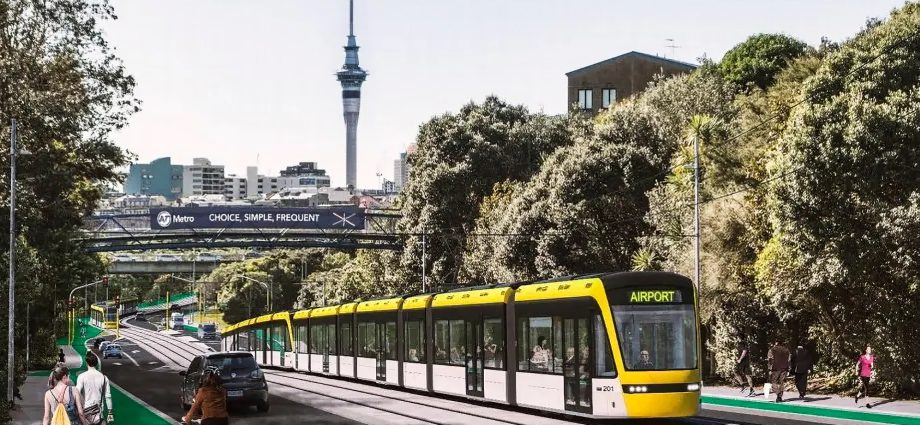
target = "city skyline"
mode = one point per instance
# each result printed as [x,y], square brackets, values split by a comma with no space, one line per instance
[249,86]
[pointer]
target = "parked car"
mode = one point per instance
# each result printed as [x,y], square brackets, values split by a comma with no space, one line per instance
[207,331]
[112,350]
[168,257]
[252,254]
[122,258]
[103,345]
[208,256]
[244,381]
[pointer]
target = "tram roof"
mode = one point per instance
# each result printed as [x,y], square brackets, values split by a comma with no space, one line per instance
[383,305]
[472,297]
[417,302]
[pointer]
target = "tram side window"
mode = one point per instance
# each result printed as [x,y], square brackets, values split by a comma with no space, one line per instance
[300,332]
[604,366]
[535,336]
[415,341]
[242,341]
[315,338]
[257,336]
[441,341]
[391,340]
[494,337]
[457,342]
[345,334]
[330,338]
[369,341]
[280,338]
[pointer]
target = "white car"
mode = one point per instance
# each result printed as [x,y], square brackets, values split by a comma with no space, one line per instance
[122,258]
[168,257]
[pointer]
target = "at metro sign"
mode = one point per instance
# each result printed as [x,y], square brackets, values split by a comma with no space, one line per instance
[257,218]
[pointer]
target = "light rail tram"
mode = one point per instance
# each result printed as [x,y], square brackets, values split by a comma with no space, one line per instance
[609,345]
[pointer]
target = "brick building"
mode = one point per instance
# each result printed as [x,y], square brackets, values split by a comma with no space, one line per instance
[595,87]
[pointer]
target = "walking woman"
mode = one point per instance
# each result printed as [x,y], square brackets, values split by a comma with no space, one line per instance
[865,366]
[62,394]
[211,399]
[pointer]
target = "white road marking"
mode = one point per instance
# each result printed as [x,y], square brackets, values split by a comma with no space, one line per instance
[151,363]
[135,351]
[131,358]
[116,363]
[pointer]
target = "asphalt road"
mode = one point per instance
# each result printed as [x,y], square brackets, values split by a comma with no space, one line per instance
[158,386]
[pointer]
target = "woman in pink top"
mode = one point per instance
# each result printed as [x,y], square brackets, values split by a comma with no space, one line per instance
[864,366]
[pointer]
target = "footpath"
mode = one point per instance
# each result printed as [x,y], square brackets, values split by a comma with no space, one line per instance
[127,408]
[822,407]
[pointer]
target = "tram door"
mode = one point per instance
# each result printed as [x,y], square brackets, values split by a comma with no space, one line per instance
[380,332]
[474,358]
[576,364]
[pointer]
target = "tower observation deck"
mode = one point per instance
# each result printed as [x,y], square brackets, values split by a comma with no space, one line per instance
[351,76]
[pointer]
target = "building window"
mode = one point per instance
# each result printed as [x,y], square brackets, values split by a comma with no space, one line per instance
[585,99]
[608,97]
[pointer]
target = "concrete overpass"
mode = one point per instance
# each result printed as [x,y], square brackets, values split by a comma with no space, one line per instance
[161,267]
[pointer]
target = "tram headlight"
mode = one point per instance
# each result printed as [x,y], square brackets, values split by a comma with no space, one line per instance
[693,387]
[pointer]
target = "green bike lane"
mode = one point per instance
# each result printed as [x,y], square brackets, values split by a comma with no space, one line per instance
[127,408]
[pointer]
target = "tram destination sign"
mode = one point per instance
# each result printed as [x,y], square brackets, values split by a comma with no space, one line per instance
[650,296]
[257,218]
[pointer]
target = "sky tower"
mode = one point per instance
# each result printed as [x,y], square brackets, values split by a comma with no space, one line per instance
[351,76]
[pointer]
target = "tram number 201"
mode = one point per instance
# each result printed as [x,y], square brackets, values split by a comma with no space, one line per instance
[606,388]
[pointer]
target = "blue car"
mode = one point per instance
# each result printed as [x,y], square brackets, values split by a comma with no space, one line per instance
[112,350]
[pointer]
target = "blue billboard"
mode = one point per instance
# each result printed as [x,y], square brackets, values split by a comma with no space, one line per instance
[349,218]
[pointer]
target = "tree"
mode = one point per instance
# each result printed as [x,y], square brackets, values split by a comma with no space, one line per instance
[460,158]
[68,92]
[757,60]
[845,184]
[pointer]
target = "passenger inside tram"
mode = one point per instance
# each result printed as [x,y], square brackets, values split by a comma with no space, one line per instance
[490,351]
[413,355]
[540,358]
[645,362]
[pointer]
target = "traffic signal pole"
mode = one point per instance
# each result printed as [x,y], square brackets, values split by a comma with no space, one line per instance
[73,313]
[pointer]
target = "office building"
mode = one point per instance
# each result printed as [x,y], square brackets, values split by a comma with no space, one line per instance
[159,177]
[202,178]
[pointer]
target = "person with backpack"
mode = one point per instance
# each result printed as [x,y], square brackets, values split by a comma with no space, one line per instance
[93,385]
[63,405]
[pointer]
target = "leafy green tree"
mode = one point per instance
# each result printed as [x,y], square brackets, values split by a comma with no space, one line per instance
[844,188]
[460,158]
[757,60]
[60,80]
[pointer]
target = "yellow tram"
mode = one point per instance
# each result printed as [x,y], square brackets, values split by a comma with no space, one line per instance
[609,345]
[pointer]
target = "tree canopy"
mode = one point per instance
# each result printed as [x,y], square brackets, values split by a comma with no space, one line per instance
[757,60]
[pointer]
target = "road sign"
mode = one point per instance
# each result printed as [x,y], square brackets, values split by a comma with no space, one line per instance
[348,218]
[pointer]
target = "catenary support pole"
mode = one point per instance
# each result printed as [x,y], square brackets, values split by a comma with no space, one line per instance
[696,203]
[10,349]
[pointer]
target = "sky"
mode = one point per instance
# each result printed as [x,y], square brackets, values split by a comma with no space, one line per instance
[247,83]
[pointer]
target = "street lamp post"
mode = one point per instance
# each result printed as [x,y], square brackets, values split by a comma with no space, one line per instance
[267,287]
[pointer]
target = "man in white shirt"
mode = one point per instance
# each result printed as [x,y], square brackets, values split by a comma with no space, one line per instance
[93,385]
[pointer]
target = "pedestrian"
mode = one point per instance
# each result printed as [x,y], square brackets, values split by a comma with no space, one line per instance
[865,367]
[93,386]
[62,404]
[211,399]
[743,368]
[60,355]
[778,359]
[801,367]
